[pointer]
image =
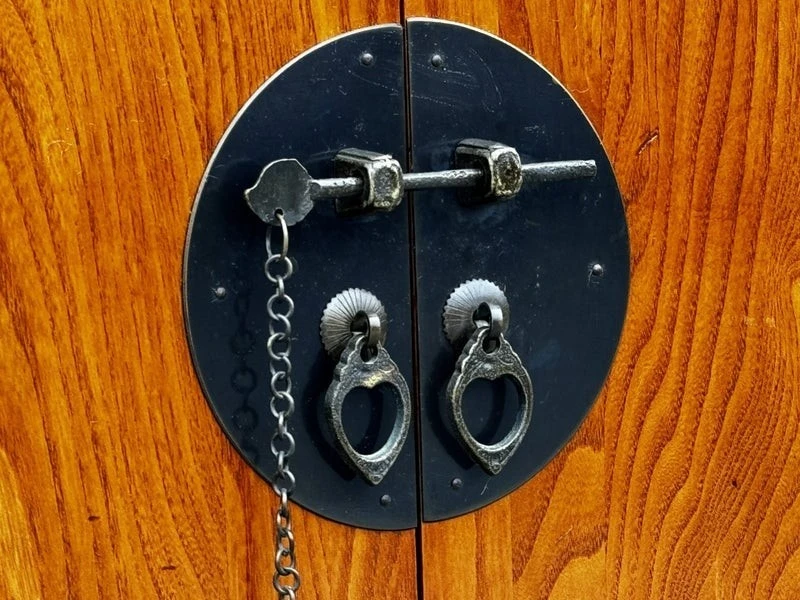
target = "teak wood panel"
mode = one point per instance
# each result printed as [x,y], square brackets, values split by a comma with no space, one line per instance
[115,480]
[683,482]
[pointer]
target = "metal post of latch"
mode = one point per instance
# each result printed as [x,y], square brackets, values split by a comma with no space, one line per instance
[368,181]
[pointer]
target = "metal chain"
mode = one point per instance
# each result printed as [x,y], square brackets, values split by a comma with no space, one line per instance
[280,308]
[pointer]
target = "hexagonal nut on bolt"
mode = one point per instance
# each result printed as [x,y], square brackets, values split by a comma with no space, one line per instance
[501,164]
[382,177]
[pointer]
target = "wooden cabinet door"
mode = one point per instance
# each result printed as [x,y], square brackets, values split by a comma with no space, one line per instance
[683,482]
[115,480]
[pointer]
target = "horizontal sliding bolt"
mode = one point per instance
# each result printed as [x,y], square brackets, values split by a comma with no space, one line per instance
[368,181]
[559,170]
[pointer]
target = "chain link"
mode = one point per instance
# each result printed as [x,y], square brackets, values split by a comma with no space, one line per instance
[280,308]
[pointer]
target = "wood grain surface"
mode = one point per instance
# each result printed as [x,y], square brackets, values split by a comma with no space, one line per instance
[684,480]
[115,480]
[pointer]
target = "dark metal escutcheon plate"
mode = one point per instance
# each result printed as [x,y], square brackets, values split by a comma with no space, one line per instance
[558,250]
[328,99]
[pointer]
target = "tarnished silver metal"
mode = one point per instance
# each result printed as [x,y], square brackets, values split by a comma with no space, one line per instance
[476,362]
[280,308]
[476,316]
[461,308]
[372,181]
[558,170]
[283,185]
[500,164]
[349,313]
[356,371]
[381,176]
[452,178]
[492,316]
[541,172]
[353,330]
[372,328]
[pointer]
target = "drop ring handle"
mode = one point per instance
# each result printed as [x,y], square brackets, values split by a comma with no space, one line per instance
[352,372]
[353,330]
[474,363]
[476,318]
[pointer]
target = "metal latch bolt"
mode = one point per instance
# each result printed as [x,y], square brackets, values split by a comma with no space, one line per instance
[369,181]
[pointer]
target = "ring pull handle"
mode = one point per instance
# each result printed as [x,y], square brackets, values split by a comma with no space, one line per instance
[478,311]
[354,329]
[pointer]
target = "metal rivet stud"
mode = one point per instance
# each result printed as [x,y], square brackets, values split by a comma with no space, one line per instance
[456,484]
[386,500]
[220,292]
[437,60]
[367,59]
[597,270]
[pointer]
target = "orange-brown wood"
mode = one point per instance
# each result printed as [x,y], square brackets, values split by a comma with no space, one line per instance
[115,480]
[684,480]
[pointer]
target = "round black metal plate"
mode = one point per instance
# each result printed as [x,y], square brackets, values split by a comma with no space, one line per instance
[559,251]
[541,248]
[328,99]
